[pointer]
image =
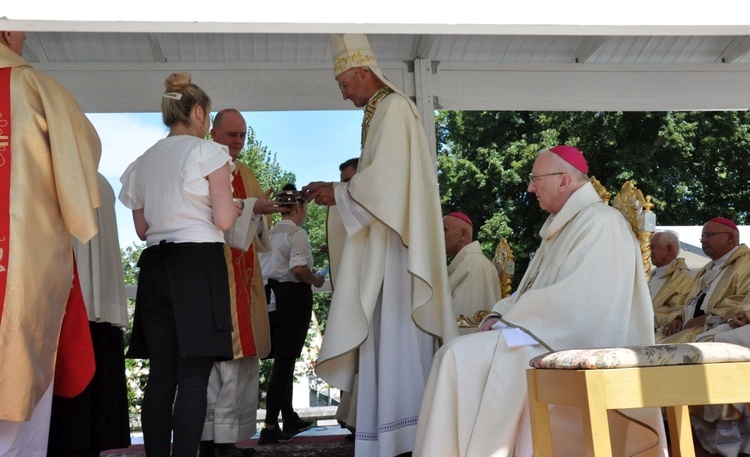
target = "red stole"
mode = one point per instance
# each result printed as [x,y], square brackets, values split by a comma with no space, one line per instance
[243,266]
[75,364]
[4,182]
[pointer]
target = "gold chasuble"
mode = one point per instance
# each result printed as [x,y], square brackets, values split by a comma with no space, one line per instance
[250,334]
[48,192]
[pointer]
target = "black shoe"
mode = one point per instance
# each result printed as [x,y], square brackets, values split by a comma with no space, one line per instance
[273,436]
[296,426]
[206,449]
[231,450]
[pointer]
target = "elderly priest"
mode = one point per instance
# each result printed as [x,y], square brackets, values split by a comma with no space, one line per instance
[584,288]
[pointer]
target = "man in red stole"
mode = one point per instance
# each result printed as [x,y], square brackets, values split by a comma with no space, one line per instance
[49,153]
[233,386]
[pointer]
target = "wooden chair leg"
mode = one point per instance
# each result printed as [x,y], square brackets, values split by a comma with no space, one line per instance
[680,433]
[541,429]
[596,428]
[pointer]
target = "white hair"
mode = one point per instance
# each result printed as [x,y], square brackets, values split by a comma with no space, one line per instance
[669,238]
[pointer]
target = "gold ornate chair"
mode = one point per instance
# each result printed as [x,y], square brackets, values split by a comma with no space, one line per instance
[638,211]
[600,189]
[505,265]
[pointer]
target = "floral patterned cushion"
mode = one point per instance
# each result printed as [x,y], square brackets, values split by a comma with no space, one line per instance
[642,356]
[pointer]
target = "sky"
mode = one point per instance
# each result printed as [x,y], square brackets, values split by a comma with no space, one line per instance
[310,144]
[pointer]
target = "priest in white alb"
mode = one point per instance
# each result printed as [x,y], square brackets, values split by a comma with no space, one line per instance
[391,304]
[585,287]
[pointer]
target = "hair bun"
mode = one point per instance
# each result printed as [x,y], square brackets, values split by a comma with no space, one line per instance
[177,81]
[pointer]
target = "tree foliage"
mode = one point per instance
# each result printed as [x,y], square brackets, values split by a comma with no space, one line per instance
[263,163]
[693,164]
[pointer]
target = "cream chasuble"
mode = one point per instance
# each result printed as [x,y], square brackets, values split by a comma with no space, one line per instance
[391,295]
[725,289]
[670,297]
[52,193]
[474,282]
[584,288]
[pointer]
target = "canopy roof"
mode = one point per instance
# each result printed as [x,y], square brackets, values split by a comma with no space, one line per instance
[540,55]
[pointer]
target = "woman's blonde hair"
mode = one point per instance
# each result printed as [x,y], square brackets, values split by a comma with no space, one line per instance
[180,97]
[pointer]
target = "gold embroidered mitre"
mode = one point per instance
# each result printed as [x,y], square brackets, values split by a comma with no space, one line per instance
[351,51]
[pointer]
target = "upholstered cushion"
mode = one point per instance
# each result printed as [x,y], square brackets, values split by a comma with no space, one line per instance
[642,356]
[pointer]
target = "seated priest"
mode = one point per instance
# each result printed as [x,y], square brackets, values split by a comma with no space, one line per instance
[670,279]
[474,281]
[583,288]
[718,288]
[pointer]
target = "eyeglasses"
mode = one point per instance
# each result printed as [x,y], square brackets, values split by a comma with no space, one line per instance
[342,84]
[707,235]
[535,177]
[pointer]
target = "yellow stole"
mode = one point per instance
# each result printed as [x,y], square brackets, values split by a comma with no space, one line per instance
[370,111]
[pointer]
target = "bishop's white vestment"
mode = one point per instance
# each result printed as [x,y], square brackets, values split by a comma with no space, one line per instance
[584,288]
[391,302]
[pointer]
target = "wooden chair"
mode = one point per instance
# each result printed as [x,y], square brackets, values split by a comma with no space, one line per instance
[597,380]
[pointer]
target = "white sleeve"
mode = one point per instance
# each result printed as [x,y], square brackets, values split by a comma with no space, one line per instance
[353,216]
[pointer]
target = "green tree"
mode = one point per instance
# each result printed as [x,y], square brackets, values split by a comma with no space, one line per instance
[264,164]
[693,164]
[136,370]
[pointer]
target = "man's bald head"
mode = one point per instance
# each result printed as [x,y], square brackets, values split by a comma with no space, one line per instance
[230,130]
[14,41]
[665,246]
[458,233]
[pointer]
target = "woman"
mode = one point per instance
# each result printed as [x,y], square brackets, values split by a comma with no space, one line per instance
[181,197]
[288,272]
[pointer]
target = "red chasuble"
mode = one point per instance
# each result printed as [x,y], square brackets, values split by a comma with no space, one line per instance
[240,278]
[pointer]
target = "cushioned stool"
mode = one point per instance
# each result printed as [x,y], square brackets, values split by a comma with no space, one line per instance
[673,376]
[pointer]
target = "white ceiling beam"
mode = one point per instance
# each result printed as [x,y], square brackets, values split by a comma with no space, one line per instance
[574,87]
[589,45]
[33,49]
[374,28]
[271,86]
[561,87]
[157,48]
[424,46]
[738,47]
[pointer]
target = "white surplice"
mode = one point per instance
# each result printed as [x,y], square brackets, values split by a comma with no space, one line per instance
[584,288]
